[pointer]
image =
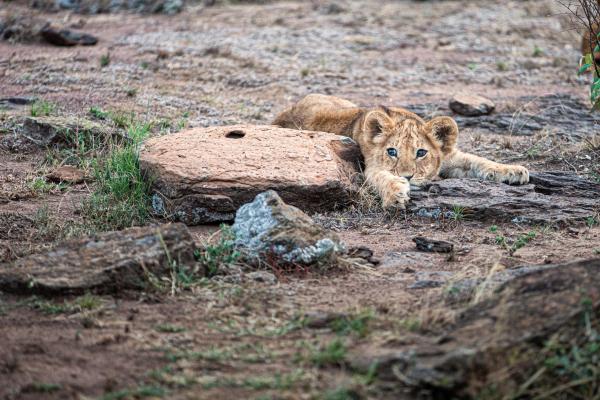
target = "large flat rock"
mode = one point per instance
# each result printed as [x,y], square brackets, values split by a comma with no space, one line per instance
[205,174]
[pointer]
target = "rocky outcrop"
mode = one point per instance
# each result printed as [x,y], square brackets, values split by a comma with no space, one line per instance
[204,175]
[107,263]
[507,329]
[268,228]
[550,197]
[46,131]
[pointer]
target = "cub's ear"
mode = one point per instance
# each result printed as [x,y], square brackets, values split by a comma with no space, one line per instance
[445,131]
[376,123]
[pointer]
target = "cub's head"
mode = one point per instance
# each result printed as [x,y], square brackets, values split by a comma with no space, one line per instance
[401,142]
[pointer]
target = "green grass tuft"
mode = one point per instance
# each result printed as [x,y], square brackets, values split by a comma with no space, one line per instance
[122,195]
[104,60]
[570,367]
[223,253]
[341,393]
[97,112]
[87,302]
[41,387]
[458,213]
[39,185]
[333,353]
[352,324]
[140,392]
[168,328]
[42,108]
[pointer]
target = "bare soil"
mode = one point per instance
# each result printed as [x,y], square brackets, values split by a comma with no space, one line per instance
[243,64]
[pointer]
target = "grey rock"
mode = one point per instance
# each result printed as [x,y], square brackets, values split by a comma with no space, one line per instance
[513,324]
[463,290]
[66,37]
[46,131]
[234,279]
[16,101]
[430,279]
[401,261]
[550,197]
[426,284]
[262,276]
[108,263]
[433,246]
[321,319]
[268,226]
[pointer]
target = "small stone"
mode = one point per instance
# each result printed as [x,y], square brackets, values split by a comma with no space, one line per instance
[17,101]
[362,253]
[321,319]
[67,174]
[426,284]
[471,105]
[262,276]
[406,261]
[65,37]
[234,279]
[435,246]
[430,279]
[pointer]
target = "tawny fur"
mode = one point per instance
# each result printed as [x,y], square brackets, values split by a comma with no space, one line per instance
[379,129]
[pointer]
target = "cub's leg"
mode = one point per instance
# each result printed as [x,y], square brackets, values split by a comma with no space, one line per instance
[465,165]
[394,190]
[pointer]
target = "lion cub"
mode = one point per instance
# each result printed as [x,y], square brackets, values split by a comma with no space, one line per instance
[399,147]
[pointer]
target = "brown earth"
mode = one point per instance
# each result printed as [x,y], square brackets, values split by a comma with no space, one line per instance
[243,64]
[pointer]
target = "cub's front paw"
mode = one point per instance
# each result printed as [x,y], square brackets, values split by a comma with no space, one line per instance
[396,194]
[513,174]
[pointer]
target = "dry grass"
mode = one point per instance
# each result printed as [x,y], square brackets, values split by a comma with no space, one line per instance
[592,143]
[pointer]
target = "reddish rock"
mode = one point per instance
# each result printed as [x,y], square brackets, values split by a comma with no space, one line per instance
[205,174]
[66,173]
[471,105]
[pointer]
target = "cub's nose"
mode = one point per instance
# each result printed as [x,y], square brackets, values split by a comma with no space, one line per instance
[408,177]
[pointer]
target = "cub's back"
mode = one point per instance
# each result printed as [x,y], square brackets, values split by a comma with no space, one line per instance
[320,112]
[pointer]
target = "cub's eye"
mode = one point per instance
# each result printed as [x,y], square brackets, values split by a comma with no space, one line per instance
[421,153]
[392,152]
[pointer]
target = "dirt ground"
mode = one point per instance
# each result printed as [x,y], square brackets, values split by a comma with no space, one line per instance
[242,64]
